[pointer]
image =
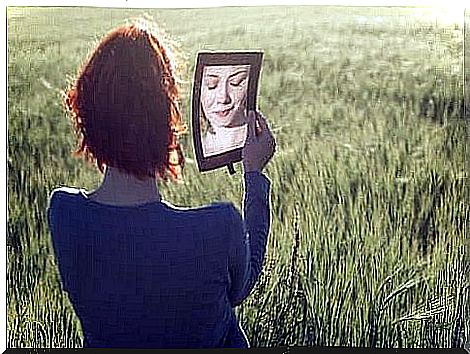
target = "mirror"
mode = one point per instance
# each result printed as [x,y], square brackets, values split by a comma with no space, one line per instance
[224,89]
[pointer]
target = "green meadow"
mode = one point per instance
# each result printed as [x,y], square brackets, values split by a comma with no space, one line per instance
[369,183]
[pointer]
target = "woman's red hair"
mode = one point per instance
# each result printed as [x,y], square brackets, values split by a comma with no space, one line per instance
[124,106]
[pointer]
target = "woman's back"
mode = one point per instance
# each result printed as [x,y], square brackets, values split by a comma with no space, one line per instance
[135,273]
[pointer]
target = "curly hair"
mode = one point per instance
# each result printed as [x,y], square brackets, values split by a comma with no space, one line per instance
[124,106]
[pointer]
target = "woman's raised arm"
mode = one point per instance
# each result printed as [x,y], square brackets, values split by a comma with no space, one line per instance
[249,237]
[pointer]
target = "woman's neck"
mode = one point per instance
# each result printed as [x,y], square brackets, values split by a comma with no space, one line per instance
[120,188]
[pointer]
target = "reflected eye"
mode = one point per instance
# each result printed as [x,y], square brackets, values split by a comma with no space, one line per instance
[212,83]
[237,81]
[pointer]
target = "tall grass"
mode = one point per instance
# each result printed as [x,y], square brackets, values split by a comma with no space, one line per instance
[369,193]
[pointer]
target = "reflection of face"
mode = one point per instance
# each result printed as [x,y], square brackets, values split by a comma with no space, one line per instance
[223,94]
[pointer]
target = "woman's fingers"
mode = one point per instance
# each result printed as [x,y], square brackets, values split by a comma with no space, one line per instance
[259,148]
[259,129]
[263,125]
[262,121]
[264,128]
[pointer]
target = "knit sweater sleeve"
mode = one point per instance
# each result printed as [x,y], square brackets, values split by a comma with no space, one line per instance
[249,237]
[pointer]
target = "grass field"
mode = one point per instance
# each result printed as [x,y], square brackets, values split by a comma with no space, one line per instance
[369,185]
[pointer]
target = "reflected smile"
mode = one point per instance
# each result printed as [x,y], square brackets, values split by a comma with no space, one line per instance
[223,113]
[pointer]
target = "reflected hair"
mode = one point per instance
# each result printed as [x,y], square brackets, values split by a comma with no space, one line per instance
[206,126]
[124,106]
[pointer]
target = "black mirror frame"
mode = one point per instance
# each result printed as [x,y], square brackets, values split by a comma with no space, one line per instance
[254,59]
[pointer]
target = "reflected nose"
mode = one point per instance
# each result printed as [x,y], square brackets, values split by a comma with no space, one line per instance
[223,94]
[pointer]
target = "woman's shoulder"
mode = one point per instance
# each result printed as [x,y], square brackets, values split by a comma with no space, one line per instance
[228,213]
[222,217]
[65,191]
[218,214]
[63,194]
[222,209]
[227,208]
[62,201]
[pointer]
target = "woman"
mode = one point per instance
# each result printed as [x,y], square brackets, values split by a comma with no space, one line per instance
[223,98]
[140,272]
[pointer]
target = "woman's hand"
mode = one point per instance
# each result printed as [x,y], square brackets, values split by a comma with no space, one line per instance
[259,145]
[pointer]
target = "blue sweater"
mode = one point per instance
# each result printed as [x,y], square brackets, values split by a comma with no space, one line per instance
[155,275]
